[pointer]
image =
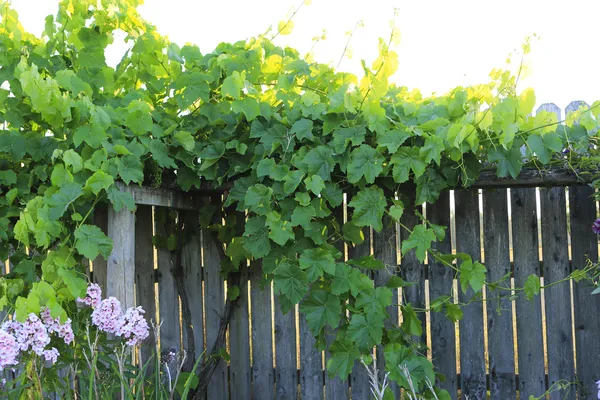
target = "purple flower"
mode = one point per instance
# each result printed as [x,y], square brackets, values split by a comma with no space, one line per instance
[596,227]
[53,325]
[93,296]
[107,314]
[133,326]
[8,350]
[51,355]
[29,335]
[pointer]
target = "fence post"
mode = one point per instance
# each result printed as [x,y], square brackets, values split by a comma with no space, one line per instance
[120,269]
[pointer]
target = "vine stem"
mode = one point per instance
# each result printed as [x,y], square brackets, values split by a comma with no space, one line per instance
[289,19]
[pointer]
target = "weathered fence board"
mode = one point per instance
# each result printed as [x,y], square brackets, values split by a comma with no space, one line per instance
[120,271]
[214,303]
[529,312]
[191,253]
[144,273]
[335,388]
[499,306]
[558,298]
[411,269]
[168,298]
[239,343]
[472,357]
[443,333]
[262,329]
[587,308]
[311,365]
[286,385]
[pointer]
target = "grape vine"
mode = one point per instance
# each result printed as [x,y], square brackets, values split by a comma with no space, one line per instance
[289,136]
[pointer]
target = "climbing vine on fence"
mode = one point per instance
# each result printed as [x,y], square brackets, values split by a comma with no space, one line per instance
[290,136]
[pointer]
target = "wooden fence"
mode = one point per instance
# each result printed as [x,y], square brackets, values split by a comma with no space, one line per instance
[500,349]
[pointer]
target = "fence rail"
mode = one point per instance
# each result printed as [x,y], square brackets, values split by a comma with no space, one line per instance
[499,349]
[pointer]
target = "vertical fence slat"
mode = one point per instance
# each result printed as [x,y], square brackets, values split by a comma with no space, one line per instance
[121,262]
[472,357]
[285,354]
[214,304]
[335,388]
[99,265]
[385,249]
[168,299]
[584,246]
[192,281]
[499,312]
[262,345]
[530,346]
[311,364]
[144,273]
[239,343]
[359,379]
[558,298]
[443,333]
[411,269]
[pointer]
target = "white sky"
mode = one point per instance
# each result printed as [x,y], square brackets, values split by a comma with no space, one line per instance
[443,43]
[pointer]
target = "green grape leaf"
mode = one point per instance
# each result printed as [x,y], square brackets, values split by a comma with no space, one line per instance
[249,106]
[453,312]
[258,199]
[160,153]
[532,286]
[303,129]
[130,169]
[393,139]
[509,163]
[432,149]
[419,239]
[256,237]
[471,274]
[353,233]
[343,355]
[405,160]
[365,330]
[364,161]
[73,160]
[290,281]
[279,231]
[99,181]
[367,262]
[120,199]
[346,279]
[187,141]
[61,199]
[345,136]
[410,323]
[8,178]
[91,241]
[321,309]
[369,206]
[291,181]
[302,216]
[320,161]
[233,84]
[317,261]
[315,184]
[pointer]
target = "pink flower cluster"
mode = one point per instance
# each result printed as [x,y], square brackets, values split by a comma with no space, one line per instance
[109,317]
[32,335]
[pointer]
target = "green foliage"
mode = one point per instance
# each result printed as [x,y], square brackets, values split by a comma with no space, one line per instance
[290,136]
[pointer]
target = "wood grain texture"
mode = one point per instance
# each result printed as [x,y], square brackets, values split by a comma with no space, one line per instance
[214,303]
[584,246]
[499,312]
[191,260]
[443,334]
[144,273]
[557,298]
[335,388]
[530,346]
[286,384]
[472,356]
[240,376]
[311,364]
[411,269]
[120,270]
[262,328]
[168,298]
